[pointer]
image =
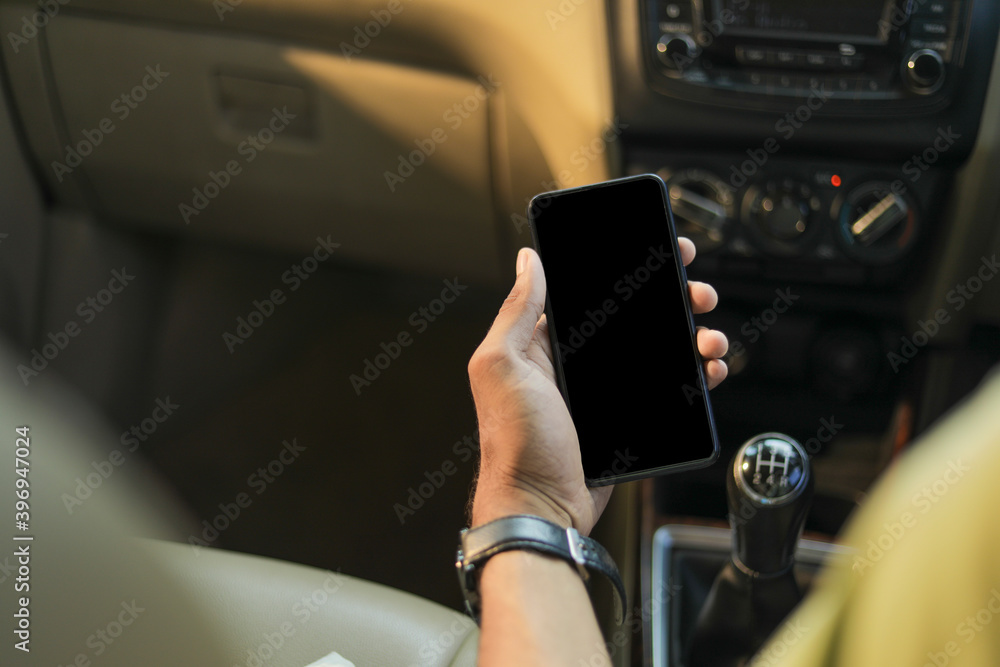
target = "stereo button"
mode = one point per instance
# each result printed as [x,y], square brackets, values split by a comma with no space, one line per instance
[924,28]
[786,58]
[932,44]
[821,60]
[842,84]
[936,8]
[676,12]
[869,85]
[850,62]
[751,55]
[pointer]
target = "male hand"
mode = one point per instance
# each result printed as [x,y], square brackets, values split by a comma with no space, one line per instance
[530,457]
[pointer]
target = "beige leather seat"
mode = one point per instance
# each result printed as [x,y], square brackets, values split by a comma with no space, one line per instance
[95,594]
[262,607]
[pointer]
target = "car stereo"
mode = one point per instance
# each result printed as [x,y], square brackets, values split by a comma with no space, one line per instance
[873,50]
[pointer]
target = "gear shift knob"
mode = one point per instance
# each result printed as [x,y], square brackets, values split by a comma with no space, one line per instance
[769,487]
[769,490]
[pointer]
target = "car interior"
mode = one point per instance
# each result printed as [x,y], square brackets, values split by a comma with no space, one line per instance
[248,248]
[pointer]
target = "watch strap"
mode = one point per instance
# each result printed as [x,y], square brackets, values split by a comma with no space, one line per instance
[525,531]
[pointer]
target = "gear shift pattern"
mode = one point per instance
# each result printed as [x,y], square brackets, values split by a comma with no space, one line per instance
[769,489]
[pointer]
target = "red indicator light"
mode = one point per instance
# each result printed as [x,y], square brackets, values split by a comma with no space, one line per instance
[835,181]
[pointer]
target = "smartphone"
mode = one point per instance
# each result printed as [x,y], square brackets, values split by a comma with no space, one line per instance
[622,332]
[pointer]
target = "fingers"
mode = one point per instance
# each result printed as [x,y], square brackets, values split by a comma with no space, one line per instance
[687,250]
[703,297]
[712,344]
[715,372]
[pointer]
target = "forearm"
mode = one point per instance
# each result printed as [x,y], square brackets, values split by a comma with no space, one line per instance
[536,611]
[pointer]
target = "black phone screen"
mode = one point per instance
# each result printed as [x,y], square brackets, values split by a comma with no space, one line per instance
[621,329]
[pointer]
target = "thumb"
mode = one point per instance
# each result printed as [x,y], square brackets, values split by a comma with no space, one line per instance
[515,323]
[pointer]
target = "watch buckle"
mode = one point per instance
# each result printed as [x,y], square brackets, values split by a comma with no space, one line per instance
[576,552]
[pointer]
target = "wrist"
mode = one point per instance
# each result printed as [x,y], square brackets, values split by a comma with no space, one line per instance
[493,503]
[481,544]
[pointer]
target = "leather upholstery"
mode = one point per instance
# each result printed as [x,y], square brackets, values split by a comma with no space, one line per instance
[99,595]
[259,602]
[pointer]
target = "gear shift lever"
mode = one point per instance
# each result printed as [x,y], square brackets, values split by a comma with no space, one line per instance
[769,488]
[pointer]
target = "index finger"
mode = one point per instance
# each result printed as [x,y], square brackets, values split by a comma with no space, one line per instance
[688,251]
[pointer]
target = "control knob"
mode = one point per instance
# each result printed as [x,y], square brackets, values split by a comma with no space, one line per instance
[702,205]
[676,51]
[780,216]
[877,224]
[924,71]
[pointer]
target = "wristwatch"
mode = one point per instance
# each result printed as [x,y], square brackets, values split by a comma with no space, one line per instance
[523,531]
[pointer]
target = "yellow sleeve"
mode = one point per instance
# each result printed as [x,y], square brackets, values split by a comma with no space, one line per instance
[924,586]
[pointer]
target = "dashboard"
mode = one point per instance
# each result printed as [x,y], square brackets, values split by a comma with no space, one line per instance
[809,152]
[806,142]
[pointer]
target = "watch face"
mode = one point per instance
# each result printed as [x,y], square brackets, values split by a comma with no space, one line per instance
[771,468]
[467,582]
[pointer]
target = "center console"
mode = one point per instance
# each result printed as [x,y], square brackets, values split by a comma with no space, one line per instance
[809,148]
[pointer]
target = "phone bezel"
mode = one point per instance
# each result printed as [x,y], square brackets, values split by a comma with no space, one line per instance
[693,464]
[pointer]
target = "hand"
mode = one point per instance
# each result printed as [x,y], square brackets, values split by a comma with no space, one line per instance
[530,454]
